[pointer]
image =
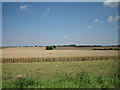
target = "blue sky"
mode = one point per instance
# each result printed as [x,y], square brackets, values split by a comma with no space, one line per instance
[53,23]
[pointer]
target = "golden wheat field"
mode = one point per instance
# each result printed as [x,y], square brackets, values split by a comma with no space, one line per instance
[39,54]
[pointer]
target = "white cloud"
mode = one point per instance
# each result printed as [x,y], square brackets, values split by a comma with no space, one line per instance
[110,19]
[96,20]
[117,18]
[48,9]
[89,27]
[46,13]
[65,36]
[111,3]
[24,7]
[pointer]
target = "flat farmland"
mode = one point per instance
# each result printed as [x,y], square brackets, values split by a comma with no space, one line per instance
[82,48]
[81,68]
[21,52]
[83,74]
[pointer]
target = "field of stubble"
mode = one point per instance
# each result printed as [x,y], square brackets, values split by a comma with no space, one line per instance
[41,52]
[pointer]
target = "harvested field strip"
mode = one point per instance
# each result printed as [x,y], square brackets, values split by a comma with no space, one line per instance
[55,59]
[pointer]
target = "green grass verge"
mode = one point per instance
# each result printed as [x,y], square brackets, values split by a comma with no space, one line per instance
[82,80]
[82,74]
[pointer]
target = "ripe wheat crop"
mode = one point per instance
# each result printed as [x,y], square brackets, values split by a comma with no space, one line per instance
[55,59]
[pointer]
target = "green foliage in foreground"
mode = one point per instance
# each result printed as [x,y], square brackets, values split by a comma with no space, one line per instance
[82,80]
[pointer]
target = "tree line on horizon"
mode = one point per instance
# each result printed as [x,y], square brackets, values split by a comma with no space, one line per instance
[70,45]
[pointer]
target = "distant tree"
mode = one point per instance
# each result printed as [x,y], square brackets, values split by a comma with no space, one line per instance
[36,46]
[73,45]
[110,48]
[54,46]
[49,48]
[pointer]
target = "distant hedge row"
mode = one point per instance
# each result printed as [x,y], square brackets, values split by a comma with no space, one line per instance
[106,49]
